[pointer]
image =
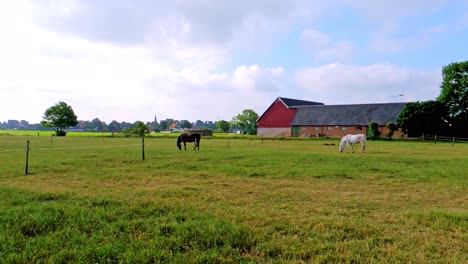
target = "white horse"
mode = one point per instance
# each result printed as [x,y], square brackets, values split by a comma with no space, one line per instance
[353,139]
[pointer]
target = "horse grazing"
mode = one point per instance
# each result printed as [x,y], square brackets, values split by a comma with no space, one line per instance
[353,139]
[195,138]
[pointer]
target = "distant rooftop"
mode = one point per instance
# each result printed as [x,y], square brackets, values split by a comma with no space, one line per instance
[292,103]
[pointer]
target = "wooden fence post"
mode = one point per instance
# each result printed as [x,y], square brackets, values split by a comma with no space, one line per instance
[453,141]
[27,158]
[435,139]
[143,147]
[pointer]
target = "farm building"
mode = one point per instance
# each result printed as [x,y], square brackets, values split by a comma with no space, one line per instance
[316,119]
[276,121]
[202,132]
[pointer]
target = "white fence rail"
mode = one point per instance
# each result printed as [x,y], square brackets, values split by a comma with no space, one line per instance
[435,138]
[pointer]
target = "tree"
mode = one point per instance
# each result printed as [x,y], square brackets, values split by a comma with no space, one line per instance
[454,94]
[163,125]
[374,130]
[114,126]
[60,117]
[223,126]
[391,129]
[139,129]
[199,124]
[424,117]
[247,121]
[98,125]
[185,124]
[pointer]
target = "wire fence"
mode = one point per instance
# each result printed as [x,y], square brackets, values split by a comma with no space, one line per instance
[436,138]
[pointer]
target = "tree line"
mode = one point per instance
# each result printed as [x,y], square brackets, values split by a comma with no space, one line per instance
[61,118]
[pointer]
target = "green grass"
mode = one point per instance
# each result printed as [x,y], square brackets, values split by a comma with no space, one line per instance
[93,199]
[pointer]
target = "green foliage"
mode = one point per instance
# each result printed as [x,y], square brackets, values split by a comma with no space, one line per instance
[454,93]
[223,126]
[424,117]
[391,129]
[247,121]
[374,130]
[140,129]
[185,124]
[114,126]
[163,125]
[60,117]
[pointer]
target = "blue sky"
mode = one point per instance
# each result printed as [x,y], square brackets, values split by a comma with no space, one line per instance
[209,60]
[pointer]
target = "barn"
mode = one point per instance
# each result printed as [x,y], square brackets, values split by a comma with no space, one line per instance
[276,120]
[339,120]
[298,118]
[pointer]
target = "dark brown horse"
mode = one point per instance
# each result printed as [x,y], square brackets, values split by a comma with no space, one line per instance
[195,138]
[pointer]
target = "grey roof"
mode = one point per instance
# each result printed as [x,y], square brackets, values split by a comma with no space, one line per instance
[292,103]
[357,114]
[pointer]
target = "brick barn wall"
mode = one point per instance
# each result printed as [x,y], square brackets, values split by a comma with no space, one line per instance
[337,131]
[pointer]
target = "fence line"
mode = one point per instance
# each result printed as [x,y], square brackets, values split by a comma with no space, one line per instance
[436,138]
[96,147]
[250,143]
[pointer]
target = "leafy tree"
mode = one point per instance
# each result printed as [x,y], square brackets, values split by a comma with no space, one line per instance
[247,121]
[185,124]
[163,125]
[98,125]
[125,125]
[424,117]
[454,94]
[391,129]
[139,129]
[223,126]
[114,126]
[60,117]
[199,124]
[374,130]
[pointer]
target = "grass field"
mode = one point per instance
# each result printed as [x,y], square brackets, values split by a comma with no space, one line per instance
[93,199]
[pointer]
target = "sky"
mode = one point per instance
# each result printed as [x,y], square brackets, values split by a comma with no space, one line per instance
[209,60]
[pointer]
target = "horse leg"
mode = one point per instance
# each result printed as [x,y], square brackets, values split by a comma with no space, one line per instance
[352,148]
[185,147]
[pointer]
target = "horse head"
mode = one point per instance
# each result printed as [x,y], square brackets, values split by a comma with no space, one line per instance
[179,139]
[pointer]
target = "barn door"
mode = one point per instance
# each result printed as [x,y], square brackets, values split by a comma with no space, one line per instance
[295,131]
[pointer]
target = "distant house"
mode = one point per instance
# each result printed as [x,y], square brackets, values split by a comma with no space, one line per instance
[298,118]
[276,120]
[174,127]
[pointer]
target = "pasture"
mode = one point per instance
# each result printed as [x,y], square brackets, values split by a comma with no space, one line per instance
[92,199]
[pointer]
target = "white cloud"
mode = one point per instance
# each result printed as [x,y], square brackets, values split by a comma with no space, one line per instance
[168,77]
[322,46]
[337,83]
